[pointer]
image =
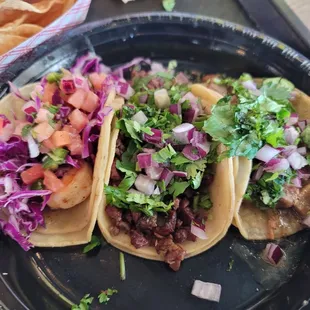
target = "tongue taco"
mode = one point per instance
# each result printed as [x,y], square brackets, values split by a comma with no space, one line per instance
[165,197]
[264,123]
[51,157]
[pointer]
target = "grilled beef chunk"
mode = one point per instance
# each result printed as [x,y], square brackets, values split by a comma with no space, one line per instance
[179,223]
[176,203]
[147,222]
[135,216]
[155,83]
[114,231]
[114,213]
[169,225]
[120,147]
[180,235]
[128,217]
[115,174]
[185,212]
[291,195]
[124,226]
[174,257]
[138,240]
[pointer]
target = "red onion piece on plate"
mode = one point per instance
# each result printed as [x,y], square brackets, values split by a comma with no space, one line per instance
[297,182]
[180,174]
[297,161]
[258,173]
[181,78]
[288,150]
[155,138]
[293,119]
[290,135]
[198,137]
[207,290]
[144,160]
[302,125]
[191,152]
[277,164]
[266,153]
[198,231]
[302,150]
[203,148]
[145,184]
[273,254]
[183,133]
[166,176]
[176,109]
[154,172]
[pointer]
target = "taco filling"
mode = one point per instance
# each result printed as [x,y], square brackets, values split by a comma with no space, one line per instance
[263,122]
[161,192]
[49,135]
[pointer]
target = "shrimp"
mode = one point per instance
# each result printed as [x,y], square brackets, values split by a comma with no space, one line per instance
[78,184]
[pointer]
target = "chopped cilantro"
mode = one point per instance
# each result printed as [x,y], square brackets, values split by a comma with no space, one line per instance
[178,188]
[130,174]
[230,264]
[172,65]
[84,303]
[164,154]
[54,77]
[104,296]
[37,185]
[122,268]
[26,130]
[168,5]
[180,159]
[95,242]
[55,158]
[202,202]
[53,109]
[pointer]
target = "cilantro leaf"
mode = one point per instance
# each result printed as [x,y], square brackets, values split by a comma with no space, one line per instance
[95,241]
[168,5]
[133,129]
[172,65]
[26,130]
[84,303]
[54,77]
[164,154]
[55,158]
[180,159]
[104,296]
[202,201]
[178,188]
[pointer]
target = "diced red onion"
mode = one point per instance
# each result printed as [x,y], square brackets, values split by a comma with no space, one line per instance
[145,184]
[277,164]
[199,230]
[297,182]
[162,99]
[258,173]
[251,86]
[290,135]
[306,221]
[181,79]
[14,90]
[140,117]
[166,176]
[297,161]
[302,125]
[266,153]
[143,98]
[67,85]
[155,138]
[288,150]
[302,150]
[303,174]
[30,107]
[203,148]
[198,138]
[144,160]
[136,61]
[191,114]
[273,254]
[191,152]
[85,137]
[156,191]
[180,174]
[33,147]
[206,290]
[124,89]
[154,172]
[147,150]
[183,133]
[73,162]
[293,119]
[175,109]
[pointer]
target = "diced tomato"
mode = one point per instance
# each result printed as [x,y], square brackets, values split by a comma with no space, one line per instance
[49,90]
[78,119]
[51,182]
[76,145]
[97,80]
[43,115]
[48,144]
[32,174]
[43,131]
[61,138]
[91,103]
[78,98]
[19,127]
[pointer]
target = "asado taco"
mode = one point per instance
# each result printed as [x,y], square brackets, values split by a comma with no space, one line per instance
[264,124]
[52,153]
[167,199]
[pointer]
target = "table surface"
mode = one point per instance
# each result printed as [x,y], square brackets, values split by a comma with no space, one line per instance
[99,9]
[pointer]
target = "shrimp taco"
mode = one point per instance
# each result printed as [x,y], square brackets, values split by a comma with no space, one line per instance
[52,154]
[264,123]
[165,198]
